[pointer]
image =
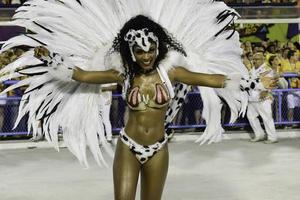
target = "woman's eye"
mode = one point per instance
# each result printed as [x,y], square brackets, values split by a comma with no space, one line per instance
[139,52]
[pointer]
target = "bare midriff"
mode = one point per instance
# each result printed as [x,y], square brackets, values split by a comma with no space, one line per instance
[146,127]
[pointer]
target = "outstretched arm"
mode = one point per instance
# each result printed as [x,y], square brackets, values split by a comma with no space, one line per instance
[181,74]
[97,77]
[78,74]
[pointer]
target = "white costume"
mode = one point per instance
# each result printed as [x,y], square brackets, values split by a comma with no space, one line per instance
[293,99]
[258,107]
[81,33]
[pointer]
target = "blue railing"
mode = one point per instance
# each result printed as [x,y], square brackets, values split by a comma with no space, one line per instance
[9,109]
[279,110]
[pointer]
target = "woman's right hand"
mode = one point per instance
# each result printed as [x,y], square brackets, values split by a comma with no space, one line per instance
[41,51]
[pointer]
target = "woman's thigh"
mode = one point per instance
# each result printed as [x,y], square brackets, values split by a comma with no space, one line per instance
[153,175]
[126,172]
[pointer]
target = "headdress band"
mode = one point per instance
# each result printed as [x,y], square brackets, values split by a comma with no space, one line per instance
[142,38]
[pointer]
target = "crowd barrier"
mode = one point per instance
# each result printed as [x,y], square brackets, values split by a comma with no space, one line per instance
[188,117]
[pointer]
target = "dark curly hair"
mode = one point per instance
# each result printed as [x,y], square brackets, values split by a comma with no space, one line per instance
[271,59]
[166,43]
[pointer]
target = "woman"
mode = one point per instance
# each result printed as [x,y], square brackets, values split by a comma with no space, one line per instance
[147,98]
[147,79]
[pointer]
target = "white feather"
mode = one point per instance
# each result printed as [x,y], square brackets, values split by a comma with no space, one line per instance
[82,35]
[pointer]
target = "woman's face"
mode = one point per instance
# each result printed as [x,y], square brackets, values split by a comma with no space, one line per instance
[275,63]
[144,59]
[285,52]
[255,49]
[291,45]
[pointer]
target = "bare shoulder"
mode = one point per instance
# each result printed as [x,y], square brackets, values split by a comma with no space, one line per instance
[174,72]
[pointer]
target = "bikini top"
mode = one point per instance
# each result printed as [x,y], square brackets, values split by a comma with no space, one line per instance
[138,101]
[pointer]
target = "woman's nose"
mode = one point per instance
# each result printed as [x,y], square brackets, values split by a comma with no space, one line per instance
[146,56]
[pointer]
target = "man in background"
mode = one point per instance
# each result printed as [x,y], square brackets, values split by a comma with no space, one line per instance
[260,104]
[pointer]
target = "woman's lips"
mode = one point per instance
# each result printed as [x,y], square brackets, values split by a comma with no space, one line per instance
[146,63]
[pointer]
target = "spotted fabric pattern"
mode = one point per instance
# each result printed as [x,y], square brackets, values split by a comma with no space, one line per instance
[142,38]
[180,91]
[143,152]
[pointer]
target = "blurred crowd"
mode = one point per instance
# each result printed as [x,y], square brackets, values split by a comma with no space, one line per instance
[260,2]
[11,2]
[6,58]
[9,106]
[9,56]
[283,58]
[280,57]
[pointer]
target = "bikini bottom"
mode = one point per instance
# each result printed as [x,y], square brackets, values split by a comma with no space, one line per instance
[143,152]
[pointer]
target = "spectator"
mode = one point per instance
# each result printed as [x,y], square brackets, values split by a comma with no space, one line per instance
[297,46]
[106,97]
[286,66]
[294,61]
[196,106]
[258,48]
[248,47]
[15,2]
[293,101]
[5,2]
[12,105]
[271,48]
[293,98]
[260,2]
[290,45]
[247,62]
[11,2]
[117,109]
[277,46]
[264,44]
[260,104]
[274,64]
[250,56]
[2,107]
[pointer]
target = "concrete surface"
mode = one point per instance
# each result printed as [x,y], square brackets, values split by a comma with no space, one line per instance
[234,169]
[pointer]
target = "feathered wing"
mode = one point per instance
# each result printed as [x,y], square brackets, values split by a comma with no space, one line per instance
[80,33]
[203,27]
[77,33]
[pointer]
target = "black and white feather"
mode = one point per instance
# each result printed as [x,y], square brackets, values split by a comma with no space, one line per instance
[80,33]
